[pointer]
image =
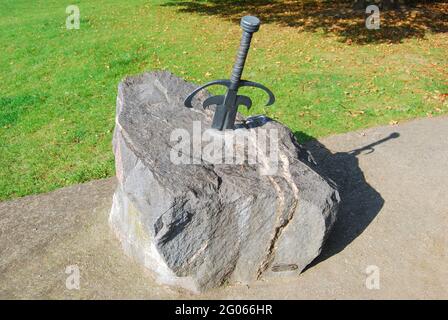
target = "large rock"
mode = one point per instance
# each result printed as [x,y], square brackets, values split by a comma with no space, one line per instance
[207,221]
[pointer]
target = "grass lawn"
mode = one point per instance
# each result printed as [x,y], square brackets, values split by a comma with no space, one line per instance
[58,86]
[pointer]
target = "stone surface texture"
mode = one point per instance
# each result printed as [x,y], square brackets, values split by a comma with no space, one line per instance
[198,225]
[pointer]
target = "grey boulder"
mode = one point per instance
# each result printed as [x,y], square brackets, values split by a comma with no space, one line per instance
[197,220]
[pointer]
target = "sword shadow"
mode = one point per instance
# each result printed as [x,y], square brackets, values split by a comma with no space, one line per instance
[360,202]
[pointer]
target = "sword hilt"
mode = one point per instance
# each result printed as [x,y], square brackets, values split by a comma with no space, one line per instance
[249,24]
[227,105]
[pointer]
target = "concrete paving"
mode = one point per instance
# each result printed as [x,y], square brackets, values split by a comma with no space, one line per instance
[390,240]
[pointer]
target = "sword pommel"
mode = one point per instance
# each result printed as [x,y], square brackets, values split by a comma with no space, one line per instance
[250,24]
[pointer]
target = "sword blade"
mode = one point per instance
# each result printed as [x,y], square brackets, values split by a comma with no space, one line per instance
[219,117]
[232,108]
[229,122]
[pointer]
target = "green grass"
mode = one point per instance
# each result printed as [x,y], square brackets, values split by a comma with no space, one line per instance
[58,86]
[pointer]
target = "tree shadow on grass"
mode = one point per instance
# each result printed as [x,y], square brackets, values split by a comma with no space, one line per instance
[330,17]
[360,202]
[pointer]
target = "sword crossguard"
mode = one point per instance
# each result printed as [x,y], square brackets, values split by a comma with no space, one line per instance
[189,99]
[215,100]
[227,105]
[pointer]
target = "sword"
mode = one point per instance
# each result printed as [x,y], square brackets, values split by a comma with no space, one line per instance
[227,105]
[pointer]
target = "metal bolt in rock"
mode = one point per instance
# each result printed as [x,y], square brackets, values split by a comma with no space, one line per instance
[227,105]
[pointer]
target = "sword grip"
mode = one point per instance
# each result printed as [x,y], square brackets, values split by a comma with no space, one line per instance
[249,24]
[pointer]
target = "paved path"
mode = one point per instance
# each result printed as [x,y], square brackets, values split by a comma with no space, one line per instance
[394,186]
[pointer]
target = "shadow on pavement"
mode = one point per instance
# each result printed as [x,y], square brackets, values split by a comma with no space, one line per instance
[360,202]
